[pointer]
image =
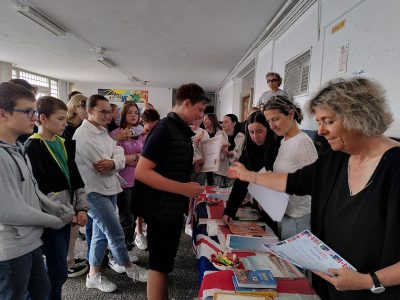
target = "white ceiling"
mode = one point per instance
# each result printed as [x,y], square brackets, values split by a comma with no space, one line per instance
[164,42]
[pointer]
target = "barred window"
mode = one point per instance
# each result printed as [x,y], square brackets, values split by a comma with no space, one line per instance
[297,73]
[45,86]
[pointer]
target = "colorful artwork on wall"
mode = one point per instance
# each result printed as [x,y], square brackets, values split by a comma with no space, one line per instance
[118,95]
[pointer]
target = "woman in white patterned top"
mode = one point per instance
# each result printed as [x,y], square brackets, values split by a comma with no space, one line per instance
[296,151]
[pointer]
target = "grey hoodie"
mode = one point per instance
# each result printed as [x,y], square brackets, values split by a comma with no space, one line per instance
[21,217]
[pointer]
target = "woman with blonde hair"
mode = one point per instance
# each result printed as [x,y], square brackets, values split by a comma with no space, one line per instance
[75,115]
[355,189]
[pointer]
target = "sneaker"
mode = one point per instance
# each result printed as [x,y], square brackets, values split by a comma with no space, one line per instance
[141,241]
[115,267]
[132,257]
[77,270]
[188,229]
[80,261]
[137,273]
[101,283]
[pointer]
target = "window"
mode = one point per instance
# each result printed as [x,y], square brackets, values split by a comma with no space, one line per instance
[45,86]
[297,73]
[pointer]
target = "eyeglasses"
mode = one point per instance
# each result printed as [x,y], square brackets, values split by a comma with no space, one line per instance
[104,112]
[83,104]
[272,80]
[28,111]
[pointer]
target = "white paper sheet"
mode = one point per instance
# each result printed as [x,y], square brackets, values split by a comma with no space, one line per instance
[211,150]
[274,203]
[308,252]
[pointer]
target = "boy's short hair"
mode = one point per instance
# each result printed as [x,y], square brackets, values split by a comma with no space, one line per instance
[150,115]
[48,105]
[10,93]
[24,83]
[191,91]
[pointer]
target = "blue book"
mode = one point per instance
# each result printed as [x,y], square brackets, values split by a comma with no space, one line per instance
[254,291]
[254,279]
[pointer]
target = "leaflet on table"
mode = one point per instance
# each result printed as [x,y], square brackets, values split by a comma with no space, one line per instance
[279,267]
[274,203]
[308,252]
[211,151]
[240,242]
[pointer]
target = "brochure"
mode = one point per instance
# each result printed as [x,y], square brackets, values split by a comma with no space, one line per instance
[211,150]
[240,242]
[274,203]
[308,252]
[280,268]
[254,291]
[247,228]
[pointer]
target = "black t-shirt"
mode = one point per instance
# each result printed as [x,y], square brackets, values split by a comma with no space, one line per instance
[157,141]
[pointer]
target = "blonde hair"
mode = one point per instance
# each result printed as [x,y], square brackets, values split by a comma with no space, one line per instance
[359,102]
[76,101]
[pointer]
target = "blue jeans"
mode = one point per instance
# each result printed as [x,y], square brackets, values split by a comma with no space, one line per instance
[106,230]
[88,233]
[56,243]
[291,226]
[22,275]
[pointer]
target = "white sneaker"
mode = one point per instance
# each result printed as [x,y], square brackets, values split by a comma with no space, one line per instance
[132,257]
[101,283]
[141,241]
[137,273]
[188,229]
[115,267]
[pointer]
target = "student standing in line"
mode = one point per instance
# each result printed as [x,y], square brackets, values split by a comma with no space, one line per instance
[99,159]
[22,220]
[200,135]
[132,148]
[54,167]
[297,150]
[213,128]
[150,119]
[231,151]
[162,188]
[75,115]
[25,84]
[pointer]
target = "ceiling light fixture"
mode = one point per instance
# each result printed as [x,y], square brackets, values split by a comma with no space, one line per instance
[133,79]
[41,20]
[106,61]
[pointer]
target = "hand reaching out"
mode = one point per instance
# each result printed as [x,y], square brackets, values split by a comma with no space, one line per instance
[191,189]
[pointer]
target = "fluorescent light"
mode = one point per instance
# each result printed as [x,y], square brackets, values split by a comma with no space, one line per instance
[133,79]
[42,20]
[106,61]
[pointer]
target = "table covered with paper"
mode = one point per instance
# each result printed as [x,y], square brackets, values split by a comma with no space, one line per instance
[210,236]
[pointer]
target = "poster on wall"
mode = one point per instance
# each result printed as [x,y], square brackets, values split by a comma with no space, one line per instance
[119,97]
[342,59]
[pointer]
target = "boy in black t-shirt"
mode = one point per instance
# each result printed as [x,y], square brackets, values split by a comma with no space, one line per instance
[162,188]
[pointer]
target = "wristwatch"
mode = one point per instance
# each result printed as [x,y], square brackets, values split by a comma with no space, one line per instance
[378,287]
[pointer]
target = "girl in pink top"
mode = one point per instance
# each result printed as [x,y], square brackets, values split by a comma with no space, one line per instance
[132,148]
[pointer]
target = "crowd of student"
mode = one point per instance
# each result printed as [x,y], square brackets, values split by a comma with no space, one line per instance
[86,161]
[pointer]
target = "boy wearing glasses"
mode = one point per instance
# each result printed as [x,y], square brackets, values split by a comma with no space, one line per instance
[21,217]
[274,81]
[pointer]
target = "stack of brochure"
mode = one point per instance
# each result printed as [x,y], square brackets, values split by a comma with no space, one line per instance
[254,282]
